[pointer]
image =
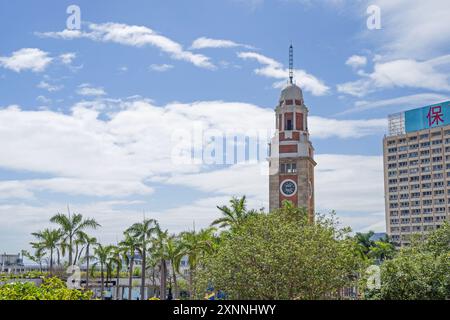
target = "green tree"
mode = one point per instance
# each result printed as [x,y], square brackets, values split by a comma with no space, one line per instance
[281,255]
[196,245]
[102,254]
[37,257]
[116,259]
[415,275]
[420,271]
[129,246]
[72,227]
[234,215]
[88,242]
[152,264]
[160,252]
[174,250]
[364,242]
[143,232]
[382,250]
[438,242]
[47,239]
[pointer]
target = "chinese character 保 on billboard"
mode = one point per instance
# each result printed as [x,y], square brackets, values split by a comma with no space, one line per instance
[436,115]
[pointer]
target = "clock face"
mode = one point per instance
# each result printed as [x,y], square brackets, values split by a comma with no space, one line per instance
[288,187]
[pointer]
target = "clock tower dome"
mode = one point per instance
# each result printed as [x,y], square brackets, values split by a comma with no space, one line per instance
[291,161]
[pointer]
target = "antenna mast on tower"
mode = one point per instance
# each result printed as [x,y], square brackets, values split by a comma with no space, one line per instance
[291,64]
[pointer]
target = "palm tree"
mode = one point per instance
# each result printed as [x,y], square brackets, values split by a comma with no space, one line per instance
[143,232]
[102,253]
[364,242]
[116,260]
[159,251]
[88,242]
[72,226]
[174,252]
[79,246]
[129,246]
[195,246]
[234,215]
[152,264]
[48,239]
[38,256]
[382,249]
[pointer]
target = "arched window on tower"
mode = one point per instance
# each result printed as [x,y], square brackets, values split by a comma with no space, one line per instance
[289,124]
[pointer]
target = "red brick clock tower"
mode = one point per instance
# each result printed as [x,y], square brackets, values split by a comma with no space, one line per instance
[291,162]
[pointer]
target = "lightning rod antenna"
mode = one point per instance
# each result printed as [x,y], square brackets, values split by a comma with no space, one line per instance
[291,63]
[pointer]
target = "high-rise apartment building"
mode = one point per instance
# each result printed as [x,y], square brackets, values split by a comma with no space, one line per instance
[417,171]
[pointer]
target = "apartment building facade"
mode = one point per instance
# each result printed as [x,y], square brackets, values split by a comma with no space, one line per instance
[417,172]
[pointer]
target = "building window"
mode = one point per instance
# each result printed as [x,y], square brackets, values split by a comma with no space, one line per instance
[288,168]
[439,184]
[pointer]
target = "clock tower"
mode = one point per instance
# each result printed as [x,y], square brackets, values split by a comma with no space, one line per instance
[291,161]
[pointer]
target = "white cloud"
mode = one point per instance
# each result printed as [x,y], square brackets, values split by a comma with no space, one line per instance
[411,73]
[341,184]
[136,36]
[358,88]
[43,99]
[349,183]
[203,43]
[126,149]
[32,59]
[75,186]
[116,148]
[323,128]
[274,69]
[65,34]
[15,228]
[356,61]
[49,87]
[87,90]
[414,28]
[161,67]
[14,190]
[401,103]
[67,58]
[236,180]
[402,73]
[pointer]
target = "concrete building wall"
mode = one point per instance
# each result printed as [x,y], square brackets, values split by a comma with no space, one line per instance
[417,182]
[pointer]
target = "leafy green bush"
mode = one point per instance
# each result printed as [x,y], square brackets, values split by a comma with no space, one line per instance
[25,275]
[418,272]
[50,289]
[281,255]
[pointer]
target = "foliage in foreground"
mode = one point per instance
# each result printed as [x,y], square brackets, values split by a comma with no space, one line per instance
[281,255]
[50,289]
[418,272]
[253,255]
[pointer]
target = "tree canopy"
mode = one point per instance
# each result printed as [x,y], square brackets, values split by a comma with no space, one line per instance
[281,255]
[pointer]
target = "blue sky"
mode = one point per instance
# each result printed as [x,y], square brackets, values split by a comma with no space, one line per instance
[87,117]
